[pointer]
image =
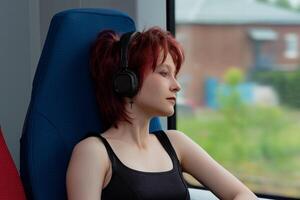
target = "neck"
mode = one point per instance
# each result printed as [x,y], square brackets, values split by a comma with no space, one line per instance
[136,133]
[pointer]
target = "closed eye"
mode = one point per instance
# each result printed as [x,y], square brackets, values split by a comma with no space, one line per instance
[164,74]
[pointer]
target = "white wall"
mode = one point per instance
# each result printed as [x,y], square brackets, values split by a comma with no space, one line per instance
[150,13]
[15,78]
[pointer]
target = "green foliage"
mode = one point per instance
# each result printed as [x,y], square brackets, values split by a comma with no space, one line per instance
[264,133]
[263,1]
[286,84]
[264,143]
[280,3]
[284,4]
[229,101]
[233,76]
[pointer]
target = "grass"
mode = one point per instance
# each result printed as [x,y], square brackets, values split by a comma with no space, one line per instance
[260,145]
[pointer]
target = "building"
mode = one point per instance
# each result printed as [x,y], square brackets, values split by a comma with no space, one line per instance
[219,34]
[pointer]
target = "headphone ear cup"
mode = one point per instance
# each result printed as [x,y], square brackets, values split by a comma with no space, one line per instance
[126,83]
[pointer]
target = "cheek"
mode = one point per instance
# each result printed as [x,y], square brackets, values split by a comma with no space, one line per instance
[151,90]
[151,84]
[152,97]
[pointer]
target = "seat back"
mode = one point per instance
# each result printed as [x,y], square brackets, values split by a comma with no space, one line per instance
[63,105]
[11,187]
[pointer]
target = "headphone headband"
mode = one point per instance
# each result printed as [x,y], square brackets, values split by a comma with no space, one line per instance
[124,41]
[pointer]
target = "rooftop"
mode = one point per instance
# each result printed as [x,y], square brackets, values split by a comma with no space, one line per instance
[232,12]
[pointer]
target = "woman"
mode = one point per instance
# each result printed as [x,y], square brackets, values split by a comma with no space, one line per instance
[126,161]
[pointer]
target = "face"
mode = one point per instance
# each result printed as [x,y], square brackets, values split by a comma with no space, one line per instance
[158,93]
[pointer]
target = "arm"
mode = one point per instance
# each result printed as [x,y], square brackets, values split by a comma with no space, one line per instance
[86,170]
[195,161]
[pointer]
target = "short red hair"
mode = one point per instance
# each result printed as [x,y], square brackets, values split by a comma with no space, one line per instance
[144,52]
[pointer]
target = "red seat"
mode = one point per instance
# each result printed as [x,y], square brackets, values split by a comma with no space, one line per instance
[11,187]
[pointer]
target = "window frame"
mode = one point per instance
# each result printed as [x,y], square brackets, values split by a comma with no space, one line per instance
[291,46]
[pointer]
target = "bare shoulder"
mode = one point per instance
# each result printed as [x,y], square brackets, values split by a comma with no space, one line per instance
[184,145]
[178,140]
[177,137]
[175,134]
[92,149]
[90,152]
[89,145]
[87,168]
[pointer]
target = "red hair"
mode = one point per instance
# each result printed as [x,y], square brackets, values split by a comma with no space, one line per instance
[144,52]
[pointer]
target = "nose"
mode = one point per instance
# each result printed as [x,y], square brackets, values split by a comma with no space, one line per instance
[175,87]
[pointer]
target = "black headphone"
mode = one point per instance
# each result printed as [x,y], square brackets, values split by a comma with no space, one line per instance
[125,81]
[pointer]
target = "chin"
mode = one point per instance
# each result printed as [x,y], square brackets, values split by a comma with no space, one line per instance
[167,113]
[162,110]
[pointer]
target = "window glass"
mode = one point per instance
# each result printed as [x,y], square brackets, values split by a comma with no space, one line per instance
[240,96]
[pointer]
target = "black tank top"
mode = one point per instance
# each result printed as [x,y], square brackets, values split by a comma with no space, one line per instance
[131,184]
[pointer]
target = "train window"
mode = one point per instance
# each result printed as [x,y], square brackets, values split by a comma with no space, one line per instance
[240,88]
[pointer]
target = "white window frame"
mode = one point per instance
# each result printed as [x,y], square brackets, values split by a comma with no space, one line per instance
[291,45]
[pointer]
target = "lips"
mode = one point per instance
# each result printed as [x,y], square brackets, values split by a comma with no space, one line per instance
[173,99]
